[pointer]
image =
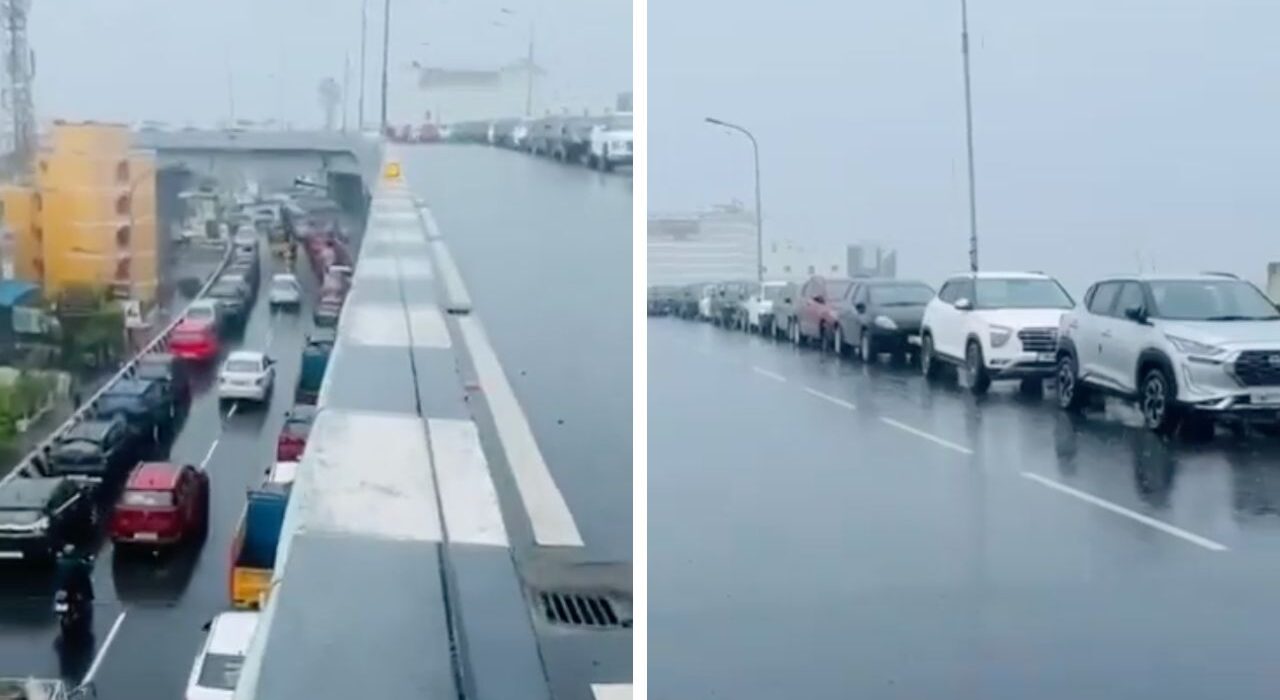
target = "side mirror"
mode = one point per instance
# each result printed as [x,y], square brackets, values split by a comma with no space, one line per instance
[860,307]
[964,304]
[786,300]
[819,300]
[1136,314]
[206,626]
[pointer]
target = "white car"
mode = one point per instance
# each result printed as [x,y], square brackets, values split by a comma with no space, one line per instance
[995,325]
[611,143]
[246,375]
[285,291]
[217,667]
[204,311]
[282,473]
[759,306]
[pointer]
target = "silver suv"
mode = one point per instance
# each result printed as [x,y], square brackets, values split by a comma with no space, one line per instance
[1183,347]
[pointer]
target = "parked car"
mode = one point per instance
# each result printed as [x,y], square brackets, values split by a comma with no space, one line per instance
[233,300]
[148,406]
[727,306]
[883,317]
[285,292]
[282,474]
[217,665]
[687,301]
[574,140]
[194,340]
[40,515]
[1185,348]
[242,275]
[314,362]
[816,310]
[101,449]
[995,325]
[247,375]
[542,133]
[164,367]
[611,143]
[706,300]
[162,504]
[757,308]
[293,436]
[328,310]
[204,310]
[785,306]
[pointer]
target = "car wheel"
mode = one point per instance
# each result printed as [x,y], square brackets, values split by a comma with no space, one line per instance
[1159,412]
[976,369]
[867,347]
[1073,395]
[928,361]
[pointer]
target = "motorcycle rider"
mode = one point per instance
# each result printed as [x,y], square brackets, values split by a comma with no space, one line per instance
[75,574]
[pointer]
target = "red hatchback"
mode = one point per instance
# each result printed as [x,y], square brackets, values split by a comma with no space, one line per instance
[162,504]
[293,436]
[194,340]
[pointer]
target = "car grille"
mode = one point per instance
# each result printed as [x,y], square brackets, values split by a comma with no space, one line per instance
[1038,339]
[1256,368]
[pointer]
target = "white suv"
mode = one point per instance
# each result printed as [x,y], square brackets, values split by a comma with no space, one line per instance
[1183,347]
[610,144]
[994,325]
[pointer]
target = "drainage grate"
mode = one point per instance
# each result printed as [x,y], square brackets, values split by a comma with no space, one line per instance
[580,610]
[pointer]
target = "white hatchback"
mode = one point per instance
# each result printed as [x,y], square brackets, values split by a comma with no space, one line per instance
[246,375]
[217,667]
[285,291]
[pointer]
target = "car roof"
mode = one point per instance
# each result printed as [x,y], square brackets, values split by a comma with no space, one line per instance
[203,304]
[157,358]
[1003,275]
[192,324]
[284,473]
[94,429]
[155,476]
[303,412]
[1190,277]
[283,276]
[251,355]
[231,633]
[888,281]
[128,387]
[33,493]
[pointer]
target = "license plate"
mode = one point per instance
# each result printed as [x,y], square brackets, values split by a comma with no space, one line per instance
[146,536]
[1268,399]
[10,555]
[1044,357]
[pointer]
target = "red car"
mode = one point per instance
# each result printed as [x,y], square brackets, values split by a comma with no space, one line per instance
[194,340]
[162,504]
[293,436]
[816,309]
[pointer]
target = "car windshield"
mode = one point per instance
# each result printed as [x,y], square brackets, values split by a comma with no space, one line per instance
[202,313]
[1211,300]
[1021,294]
[225,289]
[901,295]
[118,402]
[283,285]
[147,499]
[243,366]
[19,516]
[773,292]
[220,671]
[837,290]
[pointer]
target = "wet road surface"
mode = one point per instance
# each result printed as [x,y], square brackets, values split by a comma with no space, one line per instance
[826,528]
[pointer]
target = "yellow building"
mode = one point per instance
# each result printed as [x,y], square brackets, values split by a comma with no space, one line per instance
[92,213]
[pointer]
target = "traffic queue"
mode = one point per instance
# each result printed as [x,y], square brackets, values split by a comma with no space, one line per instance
[109,469]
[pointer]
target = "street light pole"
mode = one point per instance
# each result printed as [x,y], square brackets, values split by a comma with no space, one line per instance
[968,130]
[386,48]
[755,149]
[364,30]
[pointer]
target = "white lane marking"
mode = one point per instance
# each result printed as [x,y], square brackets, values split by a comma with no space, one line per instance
[1132,515]
[469,499]
[611,691]
[827,397]
[927,436]
[102,650]
[553,524]
[766,373]
[232,411]
[429,221]
[209,455]
[459,298]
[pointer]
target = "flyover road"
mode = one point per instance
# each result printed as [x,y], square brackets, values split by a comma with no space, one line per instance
[523,234]
[831,530]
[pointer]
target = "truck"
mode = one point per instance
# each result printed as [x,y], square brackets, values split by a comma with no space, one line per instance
[253,551]
[315,360]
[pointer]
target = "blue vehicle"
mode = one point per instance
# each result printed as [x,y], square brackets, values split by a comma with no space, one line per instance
[148,405]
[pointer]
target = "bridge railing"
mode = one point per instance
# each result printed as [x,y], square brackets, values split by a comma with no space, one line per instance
[36,461]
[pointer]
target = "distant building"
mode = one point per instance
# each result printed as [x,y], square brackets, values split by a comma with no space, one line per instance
[712,246]
[449,95]
[796,262]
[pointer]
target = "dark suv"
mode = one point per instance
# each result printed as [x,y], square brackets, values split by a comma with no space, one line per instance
[102,449]
[233,300]
[148,406]
[163,367]
[38,516]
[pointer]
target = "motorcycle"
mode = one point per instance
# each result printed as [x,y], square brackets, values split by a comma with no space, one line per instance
[75,613]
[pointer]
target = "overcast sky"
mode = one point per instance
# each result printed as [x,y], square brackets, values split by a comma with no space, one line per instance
[1107,132]
[169,60]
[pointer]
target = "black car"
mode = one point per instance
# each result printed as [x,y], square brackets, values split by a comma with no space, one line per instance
[164,367]
[102,449]
[38,516]
[147,405]
[574,139]
[243,276]
[883,316]
[233,299]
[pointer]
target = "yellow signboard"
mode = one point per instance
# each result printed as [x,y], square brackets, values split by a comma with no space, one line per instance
[392,171]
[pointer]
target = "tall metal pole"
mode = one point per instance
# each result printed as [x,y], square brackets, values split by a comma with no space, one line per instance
[386,50]
[364,29]
[755,150]
[528,92]
[968,128]
[346,91]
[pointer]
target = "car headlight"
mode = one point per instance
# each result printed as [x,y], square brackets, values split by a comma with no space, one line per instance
[886,323]
[41,524]
[1000,335]
[1194,348]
